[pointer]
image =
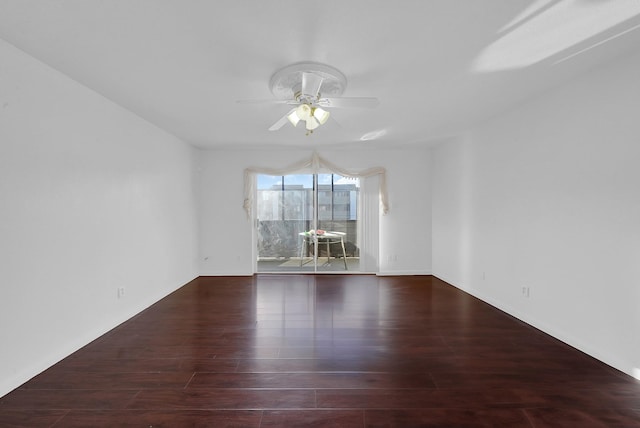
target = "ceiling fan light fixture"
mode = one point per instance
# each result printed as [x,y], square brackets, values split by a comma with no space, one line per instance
[312,123]
[303,111]
[293,118]
[321,115]
[310,88]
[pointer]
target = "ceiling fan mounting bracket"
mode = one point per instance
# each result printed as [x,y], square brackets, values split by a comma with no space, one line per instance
[286,82]
[305,99]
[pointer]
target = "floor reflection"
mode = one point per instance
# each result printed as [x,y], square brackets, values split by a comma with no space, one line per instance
[316,317]
[306,265]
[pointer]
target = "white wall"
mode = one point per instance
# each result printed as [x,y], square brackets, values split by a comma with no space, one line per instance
[92,198]
[547,197]
[405,232]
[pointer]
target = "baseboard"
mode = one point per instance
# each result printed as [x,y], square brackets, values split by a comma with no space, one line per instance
[538,324]
[57,355]
[404,273]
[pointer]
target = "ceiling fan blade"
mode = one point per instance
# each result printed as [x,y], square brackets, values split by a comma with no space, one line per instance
[349,102]
[265,101]
[281,122]
[311,83]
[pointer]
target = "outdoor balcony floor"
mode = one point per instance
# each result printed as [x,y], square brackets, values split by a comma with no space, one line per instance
[292,264]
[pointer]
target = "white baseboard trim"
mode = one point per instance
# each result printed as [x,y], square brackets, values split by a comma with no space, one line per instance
[57,355]
[404,273]
[574,342]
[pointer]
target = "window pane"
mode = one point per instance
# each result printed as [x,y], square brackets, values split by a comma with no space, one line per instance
[269,196]
[270,182]
[298,197]
[305,181]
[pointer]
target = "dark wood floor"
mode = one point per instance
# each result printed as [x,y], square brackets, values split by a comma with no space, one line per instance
[325,351]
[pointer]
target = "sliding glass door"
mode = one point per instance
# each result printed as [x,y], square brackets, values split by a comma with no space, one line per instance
[307,223]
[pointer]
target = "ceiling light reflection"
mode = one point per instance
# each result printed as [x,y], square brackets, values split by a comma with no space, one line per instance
[554,29]
[373,135]
[532,9]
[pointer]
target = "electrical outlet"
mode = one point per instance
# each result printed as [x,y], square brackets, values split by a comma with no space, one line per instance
[121,292]
[525,291]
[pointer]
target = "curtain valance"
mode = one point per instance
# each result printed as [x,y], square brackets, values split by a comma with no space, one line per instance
[314,165]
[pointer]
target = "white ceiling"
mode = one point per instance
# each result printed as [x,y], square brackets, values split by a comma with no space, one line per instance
[438,67]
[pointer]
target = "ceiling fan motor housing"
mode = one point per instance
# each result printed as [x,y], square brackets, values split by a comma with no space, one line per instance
[286,83]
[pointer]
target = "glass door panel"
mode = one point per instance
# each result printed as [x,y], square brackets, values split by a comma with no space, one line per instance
[300,229]
[338,217]
[299,218]
[284,212]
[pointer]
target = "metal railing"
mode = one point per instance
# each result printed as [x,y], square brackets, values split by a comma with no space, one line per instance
[281,238]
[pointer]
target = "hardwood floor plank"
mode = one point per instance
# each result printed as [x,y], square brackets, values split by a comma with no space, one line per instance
[223,398]
[161,418]
[110,381]
[459,418]
[342,364]
[11,418]
[572,417]
[58,399]
[312,418]
[312,380]
[324,351]
[424,398]
[239,352]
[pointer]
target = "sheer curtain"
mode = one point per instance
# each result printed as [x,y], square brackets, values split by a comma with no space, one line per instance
[369,213]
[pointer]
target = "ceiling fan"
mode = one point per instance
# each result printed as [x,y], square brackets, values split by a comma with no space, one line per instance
[312,88]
